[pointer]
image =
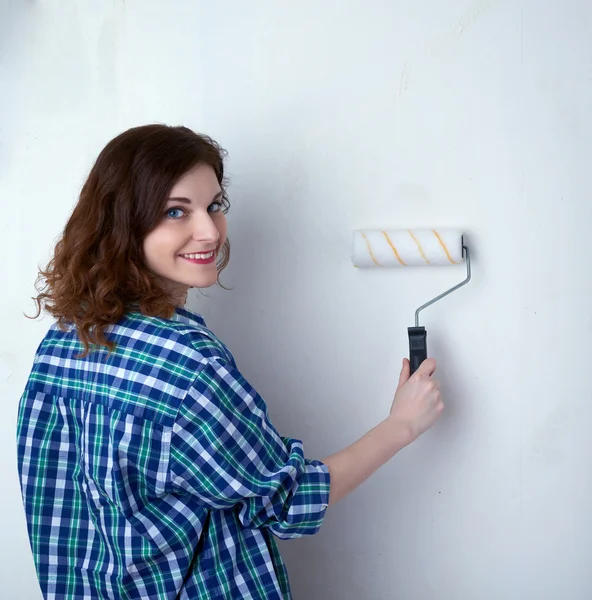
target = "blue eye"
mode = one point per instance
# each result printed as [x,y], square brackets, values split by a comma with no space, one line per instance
[170,213]
[219,206]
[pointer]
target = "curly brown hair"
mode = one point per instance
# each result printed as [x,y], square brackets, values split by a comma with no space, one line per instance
[98,271]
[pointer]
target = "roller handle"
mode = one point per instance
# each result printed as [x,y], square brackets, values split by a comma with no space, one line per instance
[418,347]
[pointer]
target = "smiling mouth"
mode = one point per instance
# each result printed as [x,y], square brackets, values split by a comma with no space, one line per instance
[200,256]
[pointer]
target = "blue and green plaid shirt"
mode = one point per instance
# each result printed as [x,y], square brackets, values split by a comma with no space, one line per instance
[155,472]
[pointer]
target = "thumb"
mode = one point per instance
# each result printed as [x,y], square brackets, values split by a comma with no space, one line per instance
[426,368]
[405,372]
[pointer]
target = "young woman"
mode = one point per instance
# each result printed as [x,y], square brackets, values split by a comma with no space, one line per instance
[149,467]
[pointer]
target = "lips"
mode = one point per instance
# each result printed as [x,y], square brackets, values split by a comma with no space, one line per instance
[198,255]
[199,258]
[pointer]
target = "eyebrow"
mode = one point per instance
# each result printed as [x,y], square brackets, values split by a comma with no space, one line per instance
[188,201]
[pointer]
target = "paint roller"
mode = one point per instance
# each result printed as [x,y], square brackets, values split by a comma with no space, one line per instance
[375,248]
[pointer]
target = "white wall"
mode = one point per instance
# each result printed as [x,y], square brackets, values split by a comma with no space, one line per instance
[340,115]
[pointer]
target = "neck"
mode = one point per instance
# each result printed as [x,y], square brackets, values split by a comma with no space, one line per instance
[178,294]
[179,299]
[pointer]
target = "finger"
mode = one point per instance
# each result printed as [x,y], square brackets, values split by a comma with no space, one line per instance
[405,372]
[426,369]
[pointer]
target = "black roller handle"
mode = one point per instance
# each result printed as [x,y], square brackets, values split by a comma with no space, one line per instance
[418,346]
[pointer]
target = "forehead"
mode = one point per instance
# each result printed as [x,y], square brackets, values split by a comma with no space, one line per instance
[198,183]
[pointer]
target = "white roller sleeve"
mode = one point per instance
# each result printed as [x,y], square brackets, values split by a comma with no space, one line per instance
[406,247]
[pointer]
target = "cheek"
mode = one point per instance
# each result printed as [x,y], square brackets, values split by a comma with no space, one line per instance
[149,249]
[158,244]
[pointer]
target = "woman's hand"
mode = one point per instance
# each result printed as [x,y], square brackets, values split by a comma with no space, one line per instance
[417,404]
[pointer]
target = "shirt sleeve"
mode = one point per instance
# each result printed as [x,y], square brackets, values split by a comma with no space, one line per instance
[226,452]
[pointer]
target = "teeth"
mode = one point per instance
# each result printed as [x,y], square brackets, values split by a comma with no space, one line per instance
[199,256]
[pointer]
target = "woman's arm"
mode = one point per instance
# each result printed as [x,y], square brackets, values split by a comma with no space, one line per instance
[416,407]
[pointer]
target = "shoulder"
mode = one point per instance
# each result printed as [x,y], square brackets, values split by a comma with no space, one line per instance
[179,338]
[154,363]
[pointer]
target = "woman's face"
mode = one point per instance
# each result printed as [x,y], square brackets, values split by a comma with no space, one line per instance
[183,248]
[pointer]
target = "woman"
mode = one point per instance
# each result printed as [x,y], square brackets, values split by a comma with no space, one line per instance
[149,467]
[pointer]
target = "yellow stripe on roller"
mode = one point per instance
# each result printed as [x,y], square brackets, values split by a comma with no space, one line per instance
[370,250]
[444,246]
[394,249]
[419,246]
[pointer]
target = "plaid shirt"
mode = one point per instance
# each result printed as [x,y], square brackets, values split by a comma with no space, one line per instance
[155,472]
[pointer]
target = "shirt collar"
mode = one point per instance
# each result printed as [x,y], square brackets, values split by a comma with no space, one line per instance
[185,316]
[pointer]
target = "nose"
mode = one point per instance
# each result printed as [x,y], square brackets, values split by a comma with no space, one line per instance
[204,229]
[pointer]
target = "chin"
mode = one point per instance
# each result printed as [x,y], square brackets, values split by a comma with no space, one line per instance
[202,282]
[203,286]
[178,284]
